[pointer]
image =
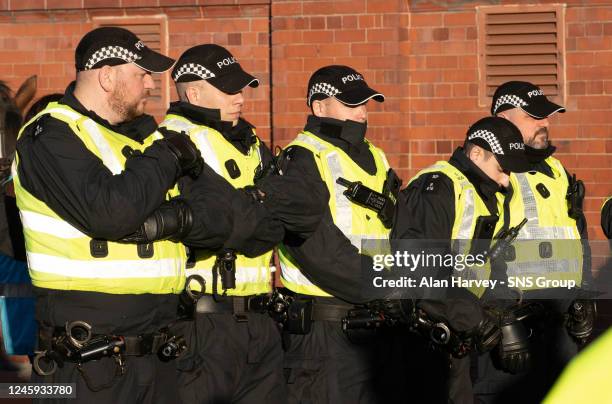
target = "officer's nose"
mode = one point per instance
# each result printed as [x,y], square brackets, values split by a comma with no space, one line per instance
[504,180]
[239,98]
[543,123]
[149,83]
[361,113]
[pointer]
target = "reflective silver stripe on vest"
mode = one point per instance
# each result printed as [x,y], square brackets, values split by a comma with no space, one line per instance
[108,157]
[465,228]
[533,230]
[200,136]
[45,224]
[293,275]
[244,275]
[208,153]
[172,123]
[310,141]
[344,213]
[543,267]
[115,269]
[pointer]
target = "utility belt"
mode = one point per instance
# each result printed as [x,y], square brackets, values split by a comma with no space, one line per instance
[296,313]
[77,343]
[238,306]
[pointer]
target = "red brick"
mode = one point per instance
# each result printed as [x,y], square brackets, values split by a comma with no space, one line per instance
[594,29]
[382,34]
[182,12]
[289,8]
[367,21]
[317,37]
[369,49]
[350,21]
[575,30]
[426,20]
[353,35]
[100,3]
[334,22]
[594,87]
[382,6]
[419,161]
[471,33]
[234,39]
[63,4]
[317,22]
[441,62]
[440,34]
[459,19]
[382,62]
[607,28]
[348,7]
[146,3]
[444,147]
[286,37]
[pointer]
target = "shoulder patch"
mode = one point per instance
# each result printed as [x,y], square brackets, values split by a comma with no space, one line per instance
[36,128]
[431,182]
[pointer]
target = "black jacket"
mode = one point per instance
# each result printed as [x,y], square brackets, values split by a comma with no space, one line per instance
[435,194]
[57,168]
[427,211]
[327,258]
[253,229]
[292,203]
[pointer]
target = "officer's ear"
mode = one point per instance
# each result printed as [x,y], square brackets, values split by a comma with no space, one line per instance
[318,108]
[192,93]
[476,154]
[107,76]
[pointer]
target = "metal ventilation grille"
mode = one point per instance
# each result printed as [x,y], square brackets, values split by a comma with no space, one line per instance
[522,46]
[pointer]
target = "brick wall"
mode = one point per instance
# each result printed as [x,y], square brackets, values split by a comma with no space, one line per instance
[42,42]
[421,54]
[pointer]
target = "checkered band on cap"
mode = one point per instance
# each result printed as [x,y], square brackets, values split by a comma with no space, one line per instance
[488,137]
[511,99]
[111,52]
[323,88]
[195,69]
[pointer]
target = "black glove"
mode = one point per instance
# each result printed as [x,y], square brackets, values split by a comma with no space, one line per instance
[488,334]
[513,354]
[172,220]
[187,155]
[581,316]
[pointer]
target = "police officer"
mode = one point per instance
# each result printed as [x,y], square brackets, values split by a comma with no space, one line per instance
[237,340]
[461,199]
[551,200]
[322,364]
[89,170]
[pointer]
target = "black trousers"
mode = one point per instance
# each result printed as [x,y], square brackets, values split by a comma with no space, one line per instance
[146,380]
[324,366]
[232,362]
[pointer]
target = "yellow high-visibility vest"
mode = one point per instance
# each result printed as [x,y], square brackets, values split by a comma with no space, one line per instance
[60,256]
[356,222]
[253,275]
[469,206]
[586,379]
[542,200]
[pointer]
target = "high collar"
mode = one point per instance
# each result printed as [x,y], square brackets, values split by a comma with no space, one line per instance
[348,135]
[485,186]
[539,155]
[242,132]
[137,129]
[537,159]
